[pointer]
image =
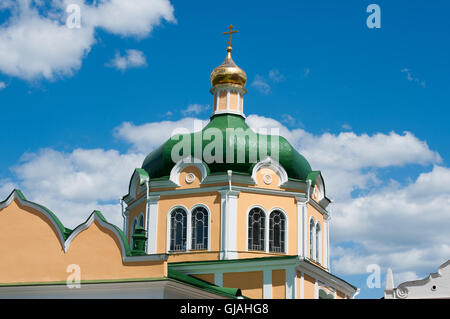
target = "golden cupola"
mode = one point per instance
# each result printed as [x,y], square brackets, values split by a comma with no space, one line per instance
[228,84]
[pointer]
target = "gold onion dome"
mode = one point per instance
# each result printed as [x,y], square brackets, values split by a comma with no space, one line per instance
[228,73]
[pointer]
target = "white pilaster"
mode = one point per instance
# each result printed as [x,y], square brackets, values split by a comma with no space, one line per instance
[228,100]
[301,208]
[267,290]
[152,224]
[302,286]
[290,283]
[229,205]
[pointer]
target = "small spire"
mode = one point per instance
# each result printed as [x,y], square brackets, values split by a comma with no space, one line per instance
[389,280]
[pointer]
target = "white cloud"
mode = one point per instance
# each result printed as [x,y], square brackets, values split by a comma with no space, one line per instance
[147,137]
[35,42]
[411,78]
[195,109]
[260,83]
[276,76]
[74,184]
[131,59]
[2,85]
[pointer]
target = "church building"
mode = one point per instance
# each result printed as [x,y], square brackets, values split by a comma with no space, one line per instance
[223,212]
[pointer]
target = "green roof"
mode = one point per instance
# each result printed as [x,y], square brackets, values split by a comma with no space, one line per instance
[159,163]
[226,292]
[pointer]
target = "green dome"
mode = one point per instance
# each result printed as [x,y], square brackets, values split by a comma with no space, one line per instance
[159,162]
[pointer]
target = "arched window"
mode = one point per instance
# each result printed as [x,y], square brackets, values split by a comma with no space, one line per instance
[318,242]
[311,239]
[256,222]
[133,228]
[277,228]
[178,223]
[141,221]
[199,228]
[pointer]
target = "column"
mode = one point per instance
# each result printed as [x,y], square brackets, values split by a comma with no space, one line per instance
[152,224]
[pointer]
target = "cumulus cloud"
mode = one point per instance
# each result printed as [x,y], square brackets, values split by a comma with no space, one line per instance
[261,84]
[74,184]
[195,109]
[131,59]
[276,76]
[35,41]
[147,137]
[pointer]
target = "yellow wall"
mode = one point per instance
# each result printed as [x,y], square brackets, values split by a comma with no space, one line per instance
[309,286]
[279,284]
[35,254]
[250,283]
[206,277]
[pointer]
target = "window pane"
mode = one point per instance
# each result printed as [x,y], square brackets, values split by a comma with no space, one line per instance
[256,228]
[178,223]
[199,228]
[277,232]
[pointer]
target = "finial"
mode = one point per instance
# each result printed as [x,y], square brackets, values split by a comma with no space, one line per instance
[230,45]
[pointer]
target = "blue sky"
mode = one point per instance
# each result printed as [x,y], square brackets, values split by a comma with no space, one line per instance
[325,74]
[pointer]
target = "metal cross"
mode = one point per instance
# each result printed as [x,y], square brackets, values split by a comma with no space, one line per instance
[230,33]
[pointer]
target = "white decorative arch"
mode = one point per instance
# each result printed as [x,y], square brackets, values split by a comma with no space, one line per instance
[187,162]
[320,187]
[95,217]
[286,231]
[140,176]
[269,162]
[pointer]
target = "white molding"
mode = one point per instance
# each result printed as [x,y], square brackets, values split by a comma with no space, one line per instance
[260,264]
[434,286]
[187,162]
[324,276]
[272,164]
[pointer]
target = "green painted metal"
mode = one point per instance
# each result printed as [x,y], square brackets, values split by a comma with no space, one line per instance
[139,240]
[226,292]
[159,163]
